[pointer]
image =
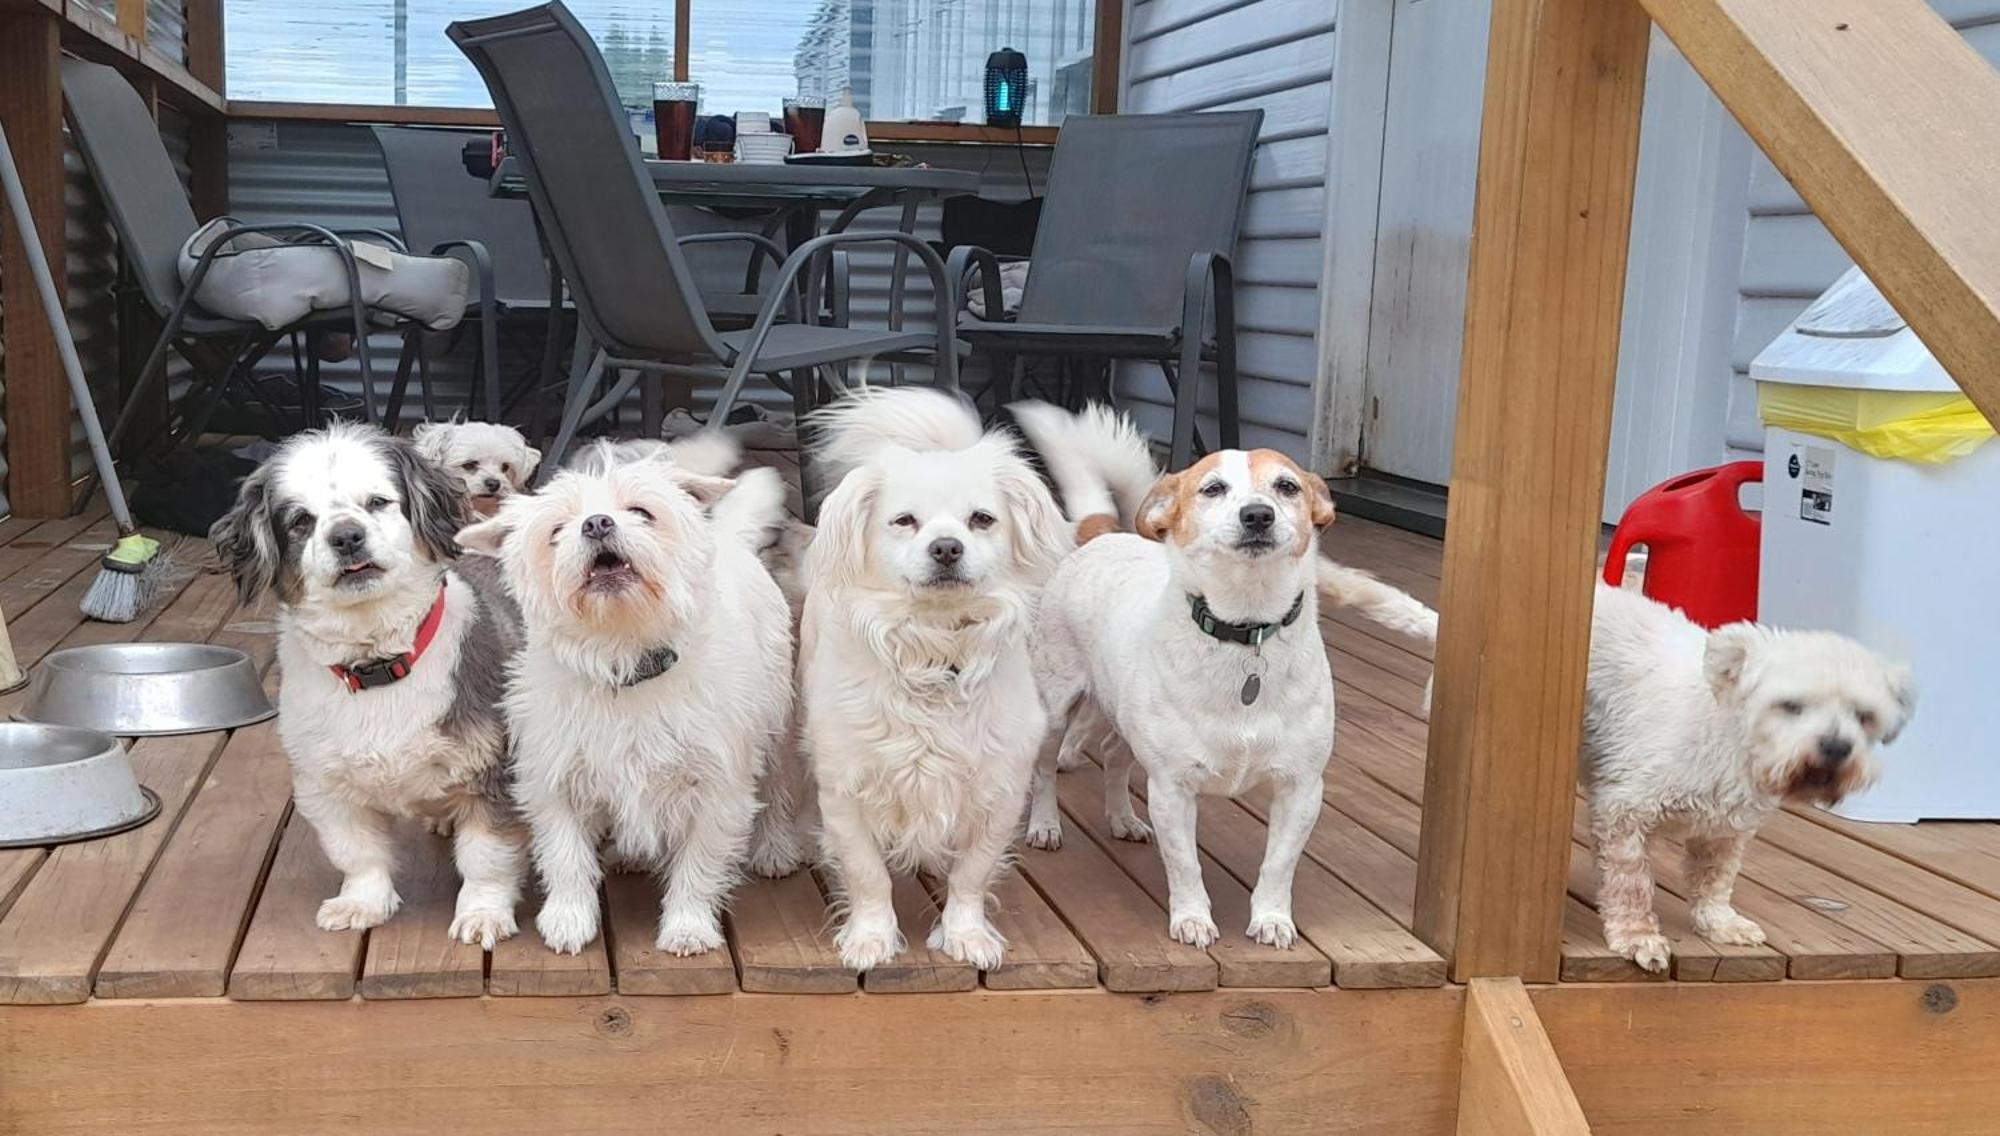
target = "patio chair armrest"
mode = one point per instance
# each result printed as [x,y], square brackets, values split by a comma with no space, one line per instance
[758,242]
[382,235]
[1208,273]
[966,259]
[482,264]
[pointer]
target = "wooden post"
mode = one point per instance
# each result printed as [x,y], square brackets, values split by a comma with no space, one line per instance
[683,38]
[208,141]
[37,397]
[132,18]
[1509,1080]
[1557,158]
[1107,56]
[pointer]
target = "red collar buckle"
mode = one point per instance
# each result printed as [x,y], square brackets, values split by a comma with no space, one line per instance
[370,674]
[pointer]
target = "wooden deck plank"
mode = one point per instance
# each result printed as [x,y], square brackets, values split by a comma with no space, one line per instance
[1117,921]
[17,867]
[213,866]
[632,902]
[1510,1082]
[1944,900]
[413,955]
[12,528]
[1965,851]
[524,966]
[59,927]
[285,956]
[1239,959]
[30,547]
[782,935]
[1042,952]
[917,969]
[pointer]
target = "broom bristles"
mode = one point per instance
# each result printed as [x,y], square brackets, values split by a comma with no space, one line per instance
[123,590]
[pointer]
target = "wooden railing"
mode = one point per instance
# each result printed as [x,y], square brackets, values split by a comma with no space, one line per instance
[1888,125]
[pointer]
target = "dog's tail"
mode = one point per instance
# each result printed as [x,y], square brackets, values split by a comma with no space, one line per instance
[753,511]
[855,428]
[713,453]
[1376,601]
[1097,458]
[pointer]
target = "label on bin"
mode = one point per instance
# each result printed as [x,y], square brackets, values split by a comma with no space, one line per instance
[1814,466]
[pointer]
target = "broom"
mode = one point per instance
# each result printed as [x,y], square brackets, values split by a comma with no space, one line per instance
[133,571]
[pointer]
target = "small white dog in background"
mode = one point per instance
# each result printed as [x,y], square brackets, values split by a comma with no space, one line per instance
[1707,734]
[492,461]
[1198,639]
[393,656]
[656,679]
[921,719]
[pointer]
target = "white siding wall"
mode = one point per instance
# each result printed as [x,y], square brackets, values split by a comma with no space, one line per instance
[1277,55]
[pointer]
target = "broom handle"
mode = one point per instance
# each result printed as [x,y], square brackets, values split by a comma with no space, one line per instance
[79,390]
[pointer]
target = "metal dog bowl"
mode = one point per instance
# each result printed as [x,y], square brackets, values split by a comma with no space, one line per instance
[148,689]
[59,783]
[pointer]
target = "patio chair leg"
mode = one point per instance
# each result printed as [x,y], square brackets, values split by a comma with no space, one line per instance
[551,344]
[393,416]
[489,358]
[584,367]
[1187,400]
[805,388]
[309,390]
[424,382]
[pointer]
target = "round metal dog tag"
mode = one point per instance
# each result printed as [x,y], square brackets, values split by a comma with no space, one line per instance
[1253,685]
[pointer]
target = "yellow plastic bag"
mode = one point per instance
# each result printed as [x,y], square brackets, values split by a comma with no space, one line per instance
[1929,427]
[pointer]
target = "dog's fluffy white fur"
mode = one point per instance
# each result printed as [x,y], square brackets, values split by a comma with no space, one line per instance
[1116,641]
[354,532]
[921,719]
[1706,734]
[491,460]
[609,567]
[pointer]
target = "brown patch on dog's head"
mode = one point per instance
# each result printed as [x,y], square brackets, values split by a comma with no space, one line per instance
[1094,526]
[1312,503]
[1166,508]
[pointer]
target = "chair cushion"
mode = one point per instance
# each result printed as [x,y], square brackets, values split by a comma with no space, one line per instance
[259,278]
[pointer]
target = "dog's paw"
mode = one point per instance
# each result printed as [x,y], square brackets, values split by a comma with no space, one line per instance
[1194,928]
[978,943]
[1734,931]
[485,926]
[865,946]
[776,854]
[567,924]
[1130,827]
[1274,929]
[690,932]
[1045,835]
[358,912]
[1649,949]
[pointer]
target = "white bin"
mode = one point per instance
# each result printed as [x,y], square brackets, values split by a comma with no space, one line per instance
[1897,554]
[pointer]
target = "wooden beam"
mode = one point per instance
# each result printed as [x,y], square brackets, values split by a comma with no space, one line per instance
[1557,156]
[683,39]
[1888,124]
[1107,56]
[132,18]
[205,44]
[1509,1081]
[208,166]
[38,400]
[97,38]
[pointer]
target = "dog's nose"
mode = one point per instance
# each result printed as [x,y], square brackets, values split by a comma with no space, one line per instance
[347,539]
[1835,748]
[1257,518]
[598,526]
[946,550]
[493,485]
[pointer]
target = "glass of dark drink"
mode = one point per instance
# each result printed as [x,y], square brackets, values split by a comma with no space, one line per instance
[673,118]
[805,121]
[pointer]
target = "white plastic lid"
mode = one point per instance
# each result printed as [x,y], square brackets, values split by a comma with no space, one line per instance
[1851,337]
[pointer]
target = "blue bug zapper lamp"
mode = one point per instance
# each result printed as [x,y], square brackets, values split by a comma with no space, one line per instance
[1006,87]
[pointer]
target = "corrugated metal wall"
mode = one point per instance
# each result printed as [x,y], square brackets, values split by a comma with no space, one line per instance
[332,174]
[1185,55]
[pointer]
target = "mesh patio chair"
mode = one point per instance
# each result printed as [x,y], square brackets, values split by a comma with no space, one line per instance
[445,210]
[150,211]
[1137,227]
[609,233]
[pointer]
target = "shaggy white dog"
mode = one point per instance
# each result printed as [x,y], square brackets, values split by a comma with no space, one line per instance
[921,719]
[1707,734]
[655,681]
[392,655]
[493,461]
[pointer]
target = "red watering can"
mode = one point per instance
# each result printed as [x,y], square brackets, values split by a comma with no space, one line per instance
[1701,544]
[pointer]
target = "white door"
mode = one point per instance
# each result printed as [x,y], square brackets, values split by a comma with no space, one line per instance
[1430,159]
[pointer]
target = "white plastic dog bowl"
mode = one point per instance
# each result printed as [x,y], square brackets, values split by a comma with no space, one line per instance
[148,689]
[59,784]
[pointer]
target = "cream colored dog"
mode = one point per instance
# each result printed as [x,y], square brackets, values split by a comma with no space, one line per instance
[1707,734]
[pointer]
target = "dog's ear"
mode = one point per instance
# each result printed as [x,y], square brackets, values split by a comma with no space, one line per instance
[705,490]
[429,439]
[244,538]
[433,501]
[1041,536]
[1161,508]
[1726,656]
[1903,688]
[1319,500]
[838,554]
[486,538]
[531,460]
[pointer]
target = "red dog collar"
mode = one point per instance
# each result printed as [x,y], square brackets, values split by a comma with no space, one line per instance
[394,669]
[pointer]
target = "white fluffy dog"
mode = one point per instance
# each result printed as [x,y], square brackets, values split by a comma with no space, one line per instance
[493,461]
[1707,734]
[392,657]
[655,680]
[921,719]
[1199,639]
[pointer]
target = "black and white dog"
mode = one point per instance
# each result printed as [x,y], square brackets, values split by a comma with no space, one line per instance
[394,656]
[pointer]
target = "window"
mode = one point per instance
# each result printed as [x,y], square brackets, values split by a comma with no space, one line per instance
[903,59]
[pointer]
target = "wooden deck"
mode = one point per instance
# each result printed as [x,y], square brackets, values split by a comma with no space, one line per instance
[216,898]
